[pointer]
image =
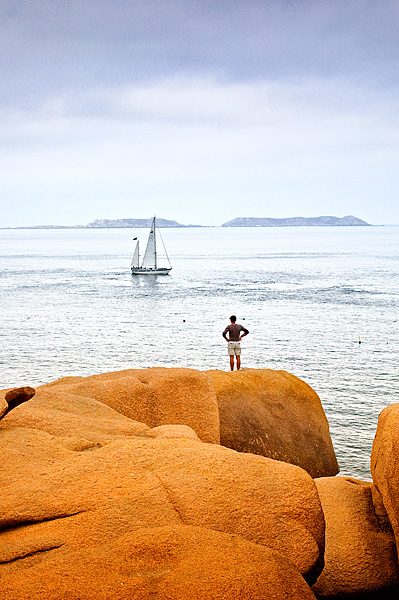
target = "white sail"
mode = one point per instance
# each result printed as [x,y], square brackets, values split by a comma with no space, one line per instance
[150,255]
[135,259]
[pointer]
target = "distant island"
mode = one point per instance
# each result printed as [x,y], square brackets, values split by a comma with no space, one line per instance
[348,221]
[110,224]
[136,223]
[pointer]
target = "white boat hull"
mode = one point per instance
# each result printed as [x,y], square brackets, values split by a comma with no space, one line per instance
[144,271]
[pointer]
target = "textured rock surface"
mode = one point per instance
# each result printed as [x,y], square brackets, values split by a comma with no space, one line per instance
[274,414]
[76,421]
[174,562]
[161,481]
[360,554]
[97,505]
[156,396]
[13,397]
[385,463]
[59,492]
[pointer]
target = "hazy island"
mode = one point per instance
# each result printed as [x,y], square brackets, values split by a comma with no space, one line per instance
[110,224]
[326,221]
[348,221]
[133,223]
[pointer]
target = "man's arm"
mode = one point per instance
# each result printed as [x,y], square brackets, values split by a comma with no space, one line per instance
[224,334]
[245,332]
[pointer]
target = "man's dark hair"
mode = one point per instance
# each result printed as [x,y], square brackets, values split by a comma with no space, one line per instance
[233,318]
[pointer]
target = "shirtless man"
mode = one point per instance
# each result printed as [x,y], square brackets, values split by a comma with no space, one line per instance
[234,347]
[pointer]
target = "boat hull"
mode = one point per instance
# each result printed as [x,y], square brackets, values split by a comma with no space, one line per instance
[157,271]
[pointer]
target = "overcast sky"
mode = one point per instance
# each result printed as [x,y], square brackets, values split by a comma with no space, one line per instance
[197,110]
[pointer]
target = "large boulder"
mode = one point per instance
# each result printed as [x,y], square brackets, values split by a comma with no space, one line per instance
[360,554]
[159,563]
[274,414]
[60,498]
[156,396]
[385,463]
[96,504]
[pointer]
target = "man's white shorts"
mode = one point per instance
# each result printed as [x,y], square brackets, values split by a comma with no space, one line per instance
[234,348]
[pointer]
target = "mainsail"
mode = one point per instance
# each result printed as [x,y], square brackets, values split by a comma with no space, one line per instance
[150,255]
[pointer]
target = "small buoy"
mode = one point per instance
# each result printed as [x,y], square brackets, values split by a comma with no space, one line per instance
[184,320]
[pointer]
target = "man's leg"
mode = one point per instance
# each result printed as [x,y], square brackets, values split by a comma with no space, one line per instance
[232,362]
[238,362]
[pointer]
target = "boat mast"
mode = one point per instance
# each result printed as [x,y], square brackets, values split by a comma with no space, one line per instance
[155,243]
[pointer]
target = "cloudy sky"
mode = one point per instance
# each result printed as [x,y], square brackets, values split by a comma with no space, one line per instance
[197,110]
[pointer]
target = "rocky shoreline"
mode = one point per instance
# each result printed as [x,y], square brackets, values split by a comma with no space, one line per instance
[176,484]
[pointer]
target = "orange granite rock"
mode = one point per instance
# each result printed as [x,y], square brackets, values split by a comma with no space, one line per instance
[157,563]
[156,396]
[274,414]
[360,553]
[75,420]
[385,463]
[97,505]
[76,500]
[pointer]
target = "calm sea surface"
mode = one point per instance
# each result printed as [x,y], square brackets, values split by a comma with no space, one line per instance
[70,306]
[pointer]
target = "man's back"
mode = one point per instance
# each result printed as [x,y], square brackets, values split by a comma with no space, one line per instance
[234,330]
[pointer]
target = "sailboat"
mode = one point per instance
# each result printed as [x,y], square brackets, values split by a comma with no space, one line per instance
[149,264]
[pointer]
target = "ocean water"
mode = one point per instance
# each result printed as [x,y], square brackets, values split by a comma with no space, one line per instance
[308,295]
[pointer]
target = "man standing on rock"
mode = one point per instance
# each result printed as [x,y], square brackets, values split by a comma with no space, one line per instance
[234,347]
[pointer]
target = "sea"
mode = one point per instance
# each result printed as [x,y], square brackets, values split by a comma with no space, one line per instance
[319,302]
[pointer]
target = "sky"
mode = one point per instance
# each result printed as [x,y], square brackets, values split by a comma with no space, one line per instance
[198,111]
